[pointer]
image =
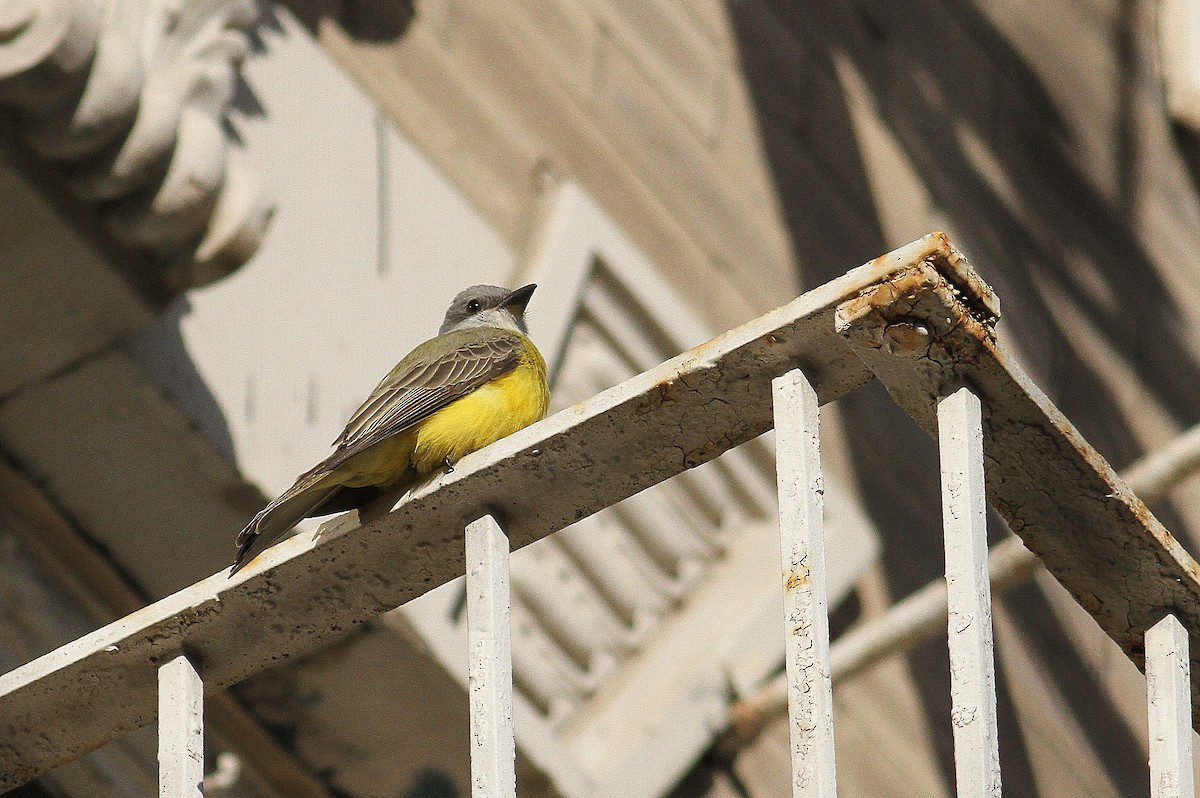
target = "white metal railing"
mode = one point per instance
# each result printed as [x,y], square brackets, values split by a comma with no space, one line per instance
[972,668]
[180,729]
[916,319]
[805,613]
[922,615]
[1168,682]
[489,653]
[969,596]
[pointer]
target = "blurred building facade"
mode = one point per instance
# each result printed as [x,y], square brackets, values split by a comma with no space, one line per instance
[226,221]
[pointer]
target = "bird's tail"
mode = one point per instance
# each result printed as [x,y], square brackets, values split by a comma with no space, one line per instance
[277,518]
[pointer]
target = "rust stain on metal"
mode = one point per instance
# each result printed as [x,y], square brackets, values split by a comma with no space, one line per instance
[660,394]
[904,286]
[906,337]
[797,580]
[973,290]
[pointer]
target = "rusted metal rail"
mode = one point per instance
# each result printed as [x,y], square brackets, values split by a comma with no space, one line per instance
[918,319]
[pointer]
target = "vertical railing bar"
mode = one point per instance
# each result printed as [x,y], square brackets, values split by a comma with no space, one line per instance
[1168,688]
[801,535]
[972,664]
[489,676]
[180,729]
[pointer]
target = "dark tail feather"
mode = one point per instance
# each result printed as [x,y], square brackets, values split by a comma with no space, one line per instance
[277,519]
[346,499]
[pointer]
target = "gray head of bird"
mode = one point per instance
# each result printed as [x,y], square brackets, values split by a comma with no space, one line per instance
[488,306]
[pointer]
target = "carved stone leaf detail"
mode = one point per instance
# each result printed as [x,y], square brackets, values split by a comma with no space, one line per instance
[131,96]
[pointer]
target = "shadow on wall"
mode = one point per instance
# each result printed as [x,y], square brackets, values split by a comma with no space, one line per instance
[432,783]
[161,350]
[1189,145]
[364,20]
[1057,251]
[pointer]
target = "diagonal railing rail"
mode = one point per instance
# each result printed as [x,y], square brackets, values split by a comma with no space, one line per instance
[917,319]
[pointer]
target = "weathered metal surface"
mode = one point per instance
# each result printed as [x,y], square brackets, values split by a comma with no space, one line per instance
[180,729]
[805,609]
[1056,492]
[969,597]
[1168,692]
[1066,503]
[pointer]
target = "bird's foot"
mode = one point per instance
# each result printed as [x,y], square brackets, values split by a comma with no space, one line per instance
[449,465]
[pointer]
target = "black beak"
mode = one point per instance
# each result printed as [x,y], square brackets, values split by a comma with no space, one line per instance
[518,299]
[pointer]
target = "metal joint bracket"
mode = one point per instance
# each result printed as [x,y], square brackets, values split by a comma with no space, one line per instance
[927,329]
[934,317]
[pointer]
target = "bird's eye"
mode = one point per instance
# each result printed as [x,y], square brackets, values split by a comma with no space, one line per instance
[473,306]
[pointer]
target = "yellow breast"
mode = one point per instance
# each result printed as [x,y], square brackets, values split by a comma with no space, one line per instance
[499,408]
[492,411]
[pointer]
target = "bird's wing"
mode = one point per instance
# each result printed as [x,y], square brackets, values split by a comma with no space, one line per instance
[422,385]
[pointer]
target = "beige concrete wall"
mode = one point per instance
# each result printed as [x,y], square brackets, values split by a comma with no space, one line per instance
[642,103]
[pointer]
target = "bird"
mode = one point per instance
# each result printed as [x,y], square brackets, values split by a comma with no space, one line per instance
[479,379]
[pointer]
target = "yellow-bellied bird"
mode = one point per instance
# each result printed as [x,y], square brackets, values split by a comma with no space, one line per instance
[480,379]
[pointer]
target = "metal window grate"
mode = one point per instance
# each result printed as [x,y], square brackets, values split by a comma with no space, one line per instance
[917,319]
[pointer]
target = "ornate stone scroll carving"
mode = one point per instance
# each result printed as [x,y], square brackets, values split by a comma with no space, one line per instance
[130,96]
